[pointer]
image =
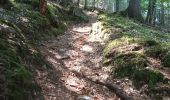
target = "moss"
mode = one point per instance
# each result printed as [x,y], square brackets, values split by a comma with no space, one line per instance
[148,42]
[166,60]
[156,51]
[146,76]
[125,40]
[126,64]
[34,3]
[16,73]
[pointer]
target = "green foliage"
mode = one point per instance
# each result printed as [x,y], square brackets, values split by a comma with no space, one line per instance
[134,64]
[166,60]
[148,43]
[156,51]
[17,76]
[34,3]
[78,14]
[146,76]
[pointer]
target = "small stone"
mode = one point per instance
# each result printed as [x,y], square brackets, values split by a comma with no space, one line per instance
[84,98]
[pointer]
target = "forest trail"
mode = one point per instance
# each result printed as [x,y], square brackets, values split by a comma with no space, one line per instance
[76,58]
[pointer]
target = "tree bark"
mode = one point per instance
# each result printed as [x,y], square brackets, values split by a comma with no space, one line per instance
[169,15]
[43,7]
[94,3]
[78,3]
[162,14]
[85,4]
[134,10]
[2,2]
[117,6]
[151,9]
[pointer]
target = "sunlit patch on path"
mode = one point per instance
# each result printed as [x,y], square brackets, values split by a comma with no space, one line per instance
[77,62]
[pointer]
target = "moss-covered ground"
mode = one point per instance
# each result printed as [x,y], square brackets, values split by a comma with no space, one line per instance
[21,27]
[128,50]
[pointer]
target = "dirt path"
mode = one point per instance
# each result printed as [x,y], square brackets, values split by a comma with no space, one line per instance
[77,66]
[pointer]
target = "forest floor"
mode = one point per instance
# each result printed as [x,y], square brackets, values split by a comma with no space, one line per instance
[110,57]
[77,64]
[77,70]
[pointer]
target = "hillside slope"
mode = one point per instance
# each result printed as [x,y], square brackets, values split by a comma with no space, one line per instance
[137,54]
[22,27]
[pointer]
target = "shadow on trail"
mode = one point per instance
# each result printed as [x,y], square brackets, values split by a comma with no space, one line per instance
[76,66]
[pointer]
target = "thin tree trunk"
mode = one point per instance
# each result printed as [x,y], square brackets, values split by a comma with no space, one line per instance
[3,2]
[117,6]
[78,3]
[162,14]
[94,3]
[169,14]
[43,6]
[150,14]
[154,19]
[85,4]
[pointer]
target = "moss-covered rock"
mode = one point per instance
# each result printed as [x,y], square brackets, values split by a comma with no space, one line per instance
[146,76]
[166,60]
[119,42]
[126,64]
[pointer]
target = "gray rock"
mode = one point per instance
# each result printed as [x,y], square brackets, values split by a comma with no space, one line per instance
[83,98]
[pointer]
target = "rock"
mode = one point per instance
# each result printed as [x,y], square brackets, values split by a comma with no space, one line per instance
[87,48]
[62,56]
[83,98]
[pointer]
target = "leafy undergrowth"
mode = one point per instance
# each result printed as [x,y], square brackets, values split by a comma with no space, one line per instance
[16,76]
[128,50]
[21,27]
[25,14]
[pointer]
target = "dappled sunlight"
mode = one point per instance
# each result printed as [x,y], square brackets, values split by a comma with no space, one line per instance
[79,62]
[82,29]
[73,82]
[24,19]
[87,48]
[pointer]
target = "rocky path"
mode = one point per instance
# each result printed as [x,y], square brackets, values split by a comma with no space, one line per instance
[77,71]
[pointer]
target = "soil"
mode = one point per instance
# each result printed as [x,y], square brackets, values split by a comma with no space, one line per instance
[77,71]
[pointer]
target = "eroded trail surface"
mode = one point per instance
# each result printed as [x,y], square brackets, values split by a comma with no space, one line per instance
[76,58]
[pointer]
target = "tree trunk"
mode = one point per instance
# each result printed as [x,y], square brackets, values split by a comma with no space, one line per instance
[43,6]
[85,4]
[169,15]
[134,10]
[3,2]
[78,3]
[150,14]
[94,3]
[117,6]
[155,16]
[162,14]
